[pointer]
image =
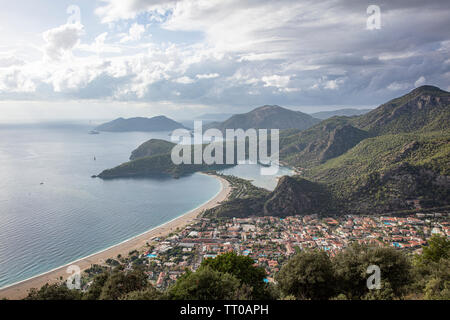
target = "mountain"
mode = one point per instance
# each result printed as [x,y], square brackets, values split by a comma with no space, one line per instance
[294,195]
[152,147]
[341,112]
[153,159]
[267,117]
[426,108]
[153,166]
[394,158]
[356,165]
[383,173]
[159,123]
[326,140]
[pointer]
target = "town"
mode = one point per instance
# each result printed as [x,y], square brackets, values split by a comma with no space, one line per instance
[270,241]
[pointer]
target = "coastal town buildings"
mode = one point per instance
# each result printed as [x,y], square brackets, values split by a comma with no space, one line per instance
[270,241]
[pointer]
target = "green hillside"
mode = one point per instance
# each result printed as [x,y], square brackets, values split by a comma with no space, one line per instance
[328,139]
[426,108]
[382,173]
[152,147]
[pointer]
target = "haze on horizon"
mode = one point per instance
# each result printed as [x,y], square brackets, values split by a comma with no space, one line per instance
[82,59]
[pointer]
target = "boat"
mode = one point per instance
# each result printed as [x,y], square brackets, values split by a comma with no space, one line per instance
[94,132]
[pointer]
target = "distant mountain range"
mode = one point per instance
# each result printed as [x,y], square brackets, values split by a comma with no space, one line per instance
[341,112]
[383,161]
[267,117]
[159,123]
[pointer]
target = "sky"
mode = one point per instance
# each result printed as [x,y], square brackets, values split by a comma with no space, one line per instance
[82,59]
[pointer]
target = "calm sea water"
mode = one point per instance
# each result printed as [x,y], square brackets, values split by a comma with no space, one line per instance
[52,212]
[72,215]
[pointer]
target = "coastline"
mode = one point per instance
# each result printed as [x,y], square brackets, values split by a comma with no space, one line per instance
[20,289]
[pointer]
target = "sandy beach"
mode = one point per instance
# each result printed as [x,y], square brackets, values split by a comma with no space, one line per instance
[20,290]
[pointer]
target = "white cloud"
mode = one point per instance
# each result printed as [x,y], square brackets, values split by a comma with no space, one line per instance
[99,45]
[114,10]
[207,76]
[13,80]
[419,82]
[134,33]
[394,86]
[61,40]
[251,49]
[184,80]
[331,84]
[10,60]
[276,81]
[288,90]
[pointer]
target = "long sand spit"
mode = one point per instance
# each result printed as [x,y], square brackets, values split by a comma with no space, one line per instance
[20,290]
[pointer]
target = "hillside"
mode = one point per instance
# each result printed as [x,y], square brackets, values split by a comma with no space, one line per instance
[159,123]
[351,170]
[396,157]
[267,117]
[152,147]
[384,173]
[340,113]
[426,108]
[326,140]
[153,166]
[153,159]
[294,195]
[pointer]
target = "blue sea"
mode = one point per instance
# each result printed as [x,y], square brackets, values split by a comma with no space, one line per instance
[52,212]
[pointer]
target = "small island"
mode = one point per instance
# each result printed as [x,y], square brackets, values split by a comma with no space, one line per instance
[159,123]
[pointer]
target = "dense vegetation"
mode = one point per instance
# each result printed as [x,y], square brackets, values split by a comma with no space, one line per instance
[153,159]
[424,109]
[326,140]
[152,147]
[383,173]
[306,275]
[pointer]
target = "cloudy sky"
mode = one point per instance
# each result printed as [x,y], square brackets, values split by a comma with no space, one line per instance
[102,59]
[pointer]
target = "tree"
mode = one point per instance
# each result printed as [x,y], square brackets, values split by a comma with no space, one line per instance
[438,285]
[95,289]
[307,275]
[438,248]
[148,294]
[205,284]
[433,269]
[351,272]
[57,291]
[119,284]
[242,268]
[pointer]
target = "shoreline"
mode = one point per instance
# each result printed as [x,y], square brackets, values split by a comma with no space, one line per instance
[19,290]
